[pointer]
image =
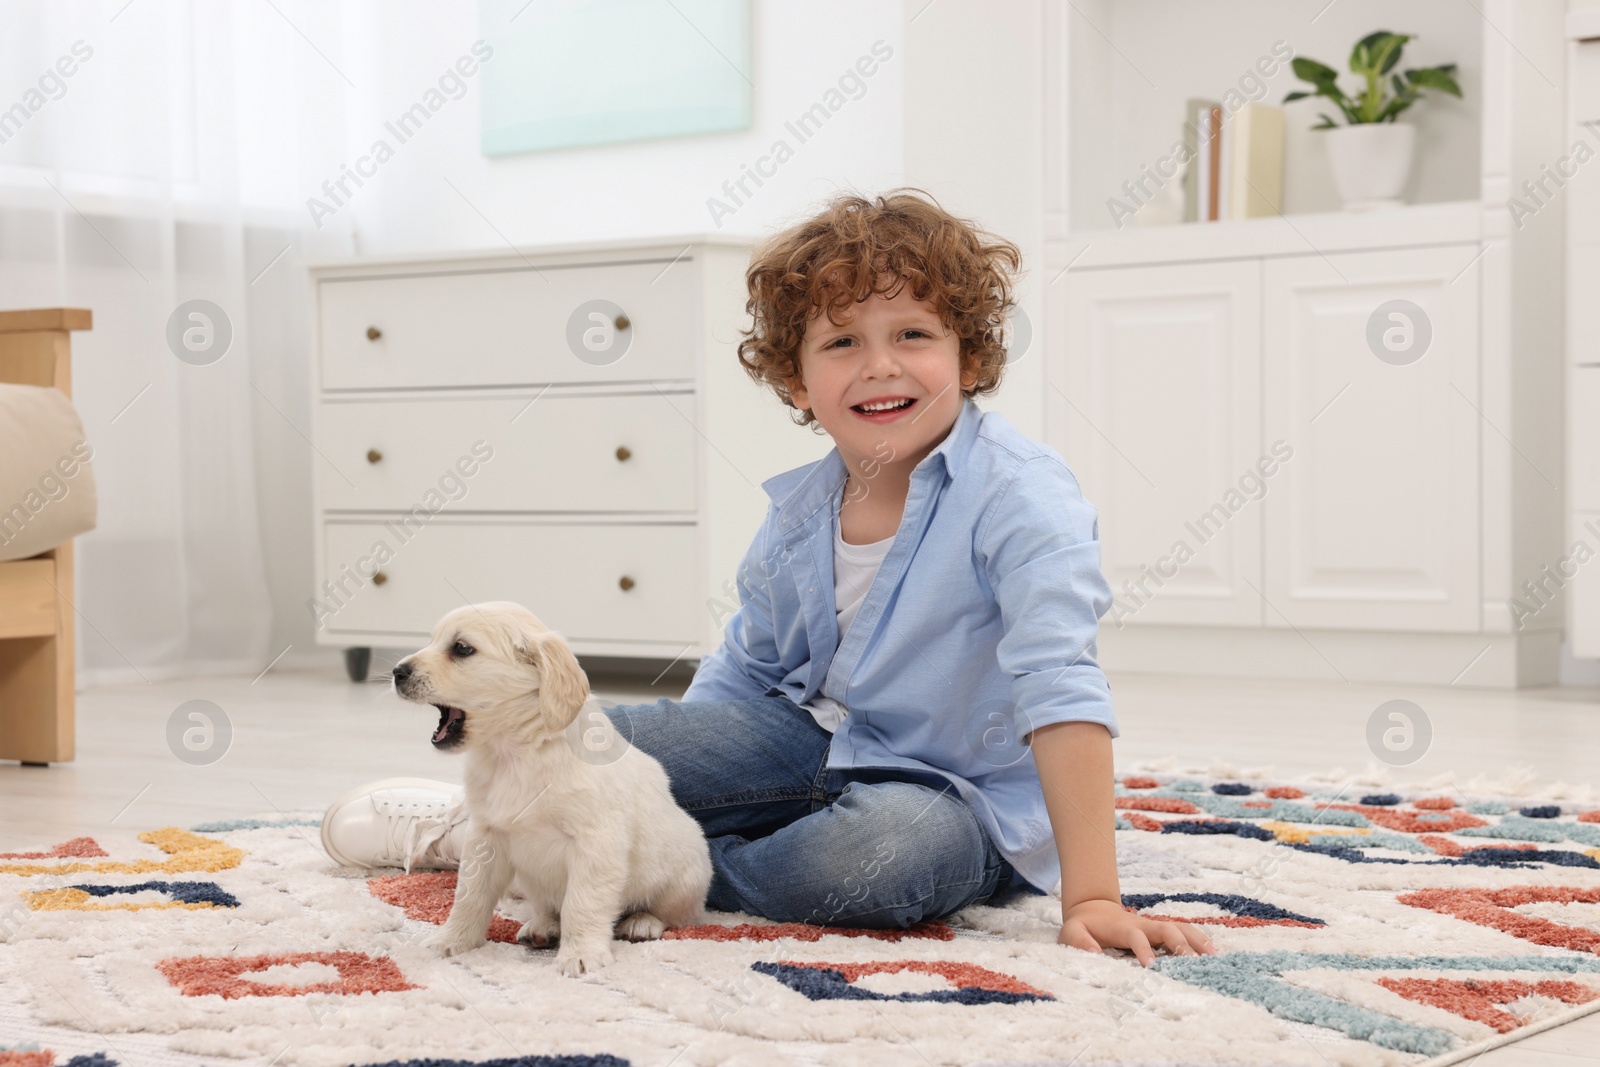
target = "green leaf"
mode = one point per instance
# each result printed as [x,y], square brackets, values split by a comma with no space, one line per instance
[1334,93]
[1394,107]
[1296,95]
[1316,73]
[1377,52]
[1387,53]
[1435,78]
[1326,123]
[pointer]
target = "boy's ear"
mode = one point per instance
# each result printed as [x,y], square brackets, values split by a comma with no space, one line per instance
[798,394]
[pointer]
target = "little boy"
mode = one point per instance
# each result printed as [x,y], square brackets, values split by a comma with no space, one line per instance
[905,717]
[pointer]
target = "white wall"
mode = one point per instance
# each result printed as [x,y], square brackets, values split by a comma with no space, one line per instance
[955,110]
[629,190]
[974,137]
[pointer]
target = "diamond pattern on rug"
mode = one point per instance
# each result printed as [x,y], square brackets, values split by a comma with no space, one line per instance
[1358,924]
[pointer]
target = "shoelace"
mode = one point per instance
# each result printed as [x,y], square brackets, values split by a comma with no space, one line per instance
[424,832]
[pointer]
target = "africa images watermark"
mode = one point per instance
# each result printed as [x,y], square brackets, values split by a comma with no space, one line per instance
[452,487]
[1251,87]
[402,129]
[852,82]
[51,84]
[1538,191]
[54,485]
[1252,486]
[1541,591]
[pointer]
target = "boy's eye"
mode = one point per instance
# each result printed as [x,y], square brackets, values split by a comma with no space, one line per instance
[836,341]
[461,648]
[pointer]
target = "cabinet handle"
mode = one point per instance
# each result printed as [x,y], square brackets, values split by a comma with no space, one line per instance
[373,333]
[622,322]
[626,583]
[623,453]
[378,578]
[373,455]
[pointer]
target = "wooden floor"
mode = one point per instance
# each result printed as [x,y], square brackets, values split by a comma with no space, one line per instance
[301,739]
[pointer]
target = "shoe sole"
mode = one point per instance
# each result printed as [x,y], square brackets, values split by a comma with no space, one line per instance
[362,790]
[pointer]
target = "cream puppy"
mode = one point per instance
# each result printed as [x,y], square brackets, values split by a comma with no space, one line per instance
[583,820]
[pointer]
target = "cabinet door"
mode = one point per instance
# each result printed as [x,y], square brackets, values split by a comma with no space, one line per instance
[1370,374]
[1157,411]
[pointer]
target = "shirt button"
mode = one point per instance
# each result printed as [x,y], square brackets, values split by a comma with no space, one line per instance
[811,589]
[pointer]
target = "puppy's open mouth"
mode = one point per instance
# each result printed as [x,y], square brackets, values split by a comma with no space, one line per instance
[451,722]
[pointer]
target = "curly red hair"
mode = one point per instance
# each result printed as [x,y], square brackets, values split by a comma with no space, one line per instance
[856,247]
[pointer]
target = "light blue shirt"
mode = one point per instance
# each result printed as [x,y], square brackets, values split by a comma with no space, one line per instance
[978,628]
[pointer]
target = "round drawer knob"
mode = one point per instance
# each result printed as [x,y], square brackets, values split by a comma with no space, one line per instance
[378,578]
[623,454]
[373,455]
[622,322]
[626,583]
[373,333]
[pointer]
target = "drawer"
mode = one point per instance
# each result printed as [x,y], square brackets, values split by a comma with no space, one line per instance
[568,574]
[559,454]
[505,327]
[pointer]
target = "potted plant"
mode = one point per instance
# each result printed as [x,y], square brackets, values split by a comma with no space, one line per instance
[1371,155]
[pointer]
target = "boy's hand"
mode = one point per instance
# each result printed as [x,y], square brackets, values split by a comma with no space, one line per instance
[1093,924]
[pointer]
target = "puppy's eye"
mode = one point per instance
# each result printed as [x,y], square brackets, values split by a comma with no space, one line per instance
[461,648]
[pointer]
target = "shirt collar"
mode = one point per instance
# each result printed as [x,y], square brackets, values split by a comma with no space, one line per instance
[802,492]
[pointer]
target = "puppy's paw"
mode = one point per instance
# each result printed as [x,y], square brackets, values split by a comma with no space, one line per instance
[640,926]
[444,943]
[572,962]
[540,932]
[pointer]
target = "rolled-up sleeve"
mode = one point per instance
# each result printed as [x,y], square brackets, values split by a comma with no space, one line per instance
[747,663]
[1040,549]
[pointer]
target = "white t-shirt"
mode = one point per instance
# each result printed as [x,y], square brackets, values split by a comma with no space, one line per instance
[854,567]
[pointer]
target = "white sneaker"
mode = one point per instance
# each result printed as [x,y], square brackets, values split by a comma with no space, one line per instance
[397,822]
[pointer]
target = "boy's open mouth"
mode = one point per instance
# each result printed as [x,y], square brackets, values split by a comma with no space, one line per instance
[883,410]
[451,722]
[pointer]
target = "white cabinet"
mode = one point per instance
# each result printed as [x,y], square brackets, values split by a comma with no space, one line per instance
[1370,373]
[1397,544]
[478,437]
[1256,462]
[1161,416]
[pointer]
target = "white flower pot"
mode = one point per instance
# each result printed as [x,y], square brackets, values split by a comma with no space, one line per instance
[1371,162]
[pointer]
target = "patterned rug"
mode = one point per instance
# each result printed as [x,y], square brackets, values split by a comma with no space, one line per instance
[1358,923]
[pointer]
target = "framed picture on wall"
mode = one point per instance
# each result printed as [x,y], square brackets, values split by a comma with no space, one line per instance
[568,73]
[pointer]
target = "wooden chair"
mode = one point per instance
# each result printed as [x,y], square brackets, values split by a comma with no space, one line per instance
[36,595]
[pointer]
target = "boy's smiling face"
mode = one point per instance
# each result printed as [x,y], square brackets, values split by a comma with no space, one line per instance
[885,350]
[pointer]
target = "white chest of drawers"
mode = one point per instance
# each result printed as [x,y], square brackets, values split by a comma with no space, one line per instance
[569,428]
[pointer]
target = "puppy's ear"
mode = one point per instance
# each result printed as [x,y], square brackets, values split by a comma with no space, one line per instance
[563,687]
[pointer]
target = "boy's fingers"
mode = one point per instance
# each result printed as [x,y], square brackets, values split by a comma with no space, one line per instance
[1199,941]
[1078,936]
[1173,938]
[1140,946]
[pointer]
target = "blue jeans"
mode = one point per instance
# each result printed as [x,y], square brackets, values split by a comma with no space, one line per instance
[794,841]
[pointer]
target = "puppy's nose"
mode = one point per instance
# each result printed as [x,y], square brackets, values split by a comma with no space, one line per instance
[402,671]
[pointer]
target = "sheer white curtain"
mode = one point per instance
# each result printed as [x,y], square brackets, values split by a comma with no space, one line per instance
[155,152]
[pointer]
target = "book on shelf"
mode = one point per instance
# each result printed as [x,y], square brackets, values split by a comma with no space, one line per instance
[1196,133]
[1254,143]
[1235,168]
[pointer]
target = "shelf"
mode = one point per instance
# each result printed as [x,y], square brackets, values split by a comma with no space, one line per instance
[1456,222]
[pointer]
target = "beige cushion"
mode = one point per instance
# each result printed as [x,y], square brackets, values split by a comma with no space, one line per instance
[46,483]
